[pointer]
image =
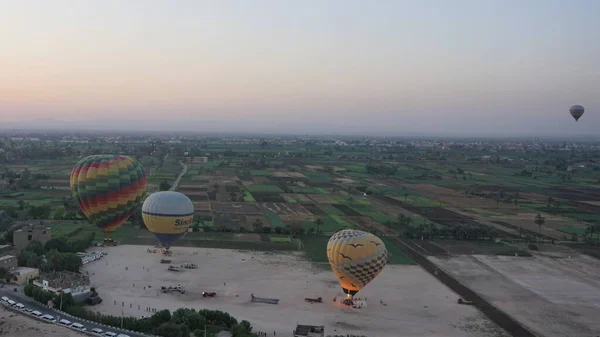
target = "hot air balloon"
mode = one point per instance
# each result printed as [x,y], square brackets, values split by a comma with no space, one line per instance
[356,258]
[168,215]
[108,189]
[576,111]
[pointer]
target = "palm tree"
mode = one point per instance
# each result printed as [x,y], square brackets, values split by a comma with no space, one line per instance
[319,222]
[257,225]
[406,196]
[540,220]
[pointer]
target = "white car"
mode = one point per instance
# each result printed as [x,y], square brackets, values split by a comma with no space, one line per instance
[97,331]
[5,299]
[11,303]
[122,335]
[64,322]
[109,334]
[20,306]
[78,326]
[49,318]
[36,313]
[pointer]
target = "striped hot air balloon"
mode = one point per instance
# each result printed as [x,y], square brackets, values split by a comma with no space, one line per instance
[168,215]
[108,189]
[356,258]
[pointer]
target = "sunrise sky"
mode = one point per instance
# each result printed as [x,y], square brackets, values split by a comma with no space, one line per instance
[379,67]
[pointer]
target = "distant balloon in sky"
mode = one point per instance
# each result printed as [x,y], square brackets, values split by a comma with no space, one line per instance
[108,188]
[356,258]
[576,111]
[168,215]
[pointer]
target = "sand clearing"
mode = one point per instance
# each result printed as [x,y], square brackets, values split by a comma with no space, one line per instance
[417,304]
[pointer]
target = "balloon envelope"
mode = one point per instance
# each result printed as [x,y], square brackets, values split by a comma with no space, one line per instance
[356,258]
[576,111]
[108,188]
[168,215]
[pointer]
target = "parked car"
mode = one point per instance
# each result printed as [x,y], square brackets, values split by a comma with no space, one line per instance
[78,326]
[20,306]
[109,334]
[36,313]
[97,331]
[49,318]
[64,322]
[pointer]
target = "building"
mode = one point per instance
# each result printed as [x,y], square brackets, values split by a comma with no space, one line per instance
[8,261]
[5,248]
[22,275]
[23,237]
[309,331]
[78,285]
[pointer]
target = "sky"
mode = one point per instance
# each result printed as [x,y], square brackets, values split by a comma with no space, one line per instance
[461,67]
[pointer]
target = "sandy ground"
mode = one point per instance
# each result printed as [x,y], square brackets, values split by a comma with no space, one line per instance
[551,293]
[417,304]
[17,325]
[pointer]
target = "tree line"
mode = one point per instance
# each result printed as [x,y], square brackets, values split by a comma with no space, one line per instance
[58,254]
[183,322]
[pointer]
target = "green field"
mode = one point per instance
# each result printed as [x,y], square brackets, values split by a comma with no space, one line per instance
[318,177]
[260,173]
[310,190]
[274,219]
[68,229]
[259,188]
[315,249]
[396,256]
[248,197]
[285,239]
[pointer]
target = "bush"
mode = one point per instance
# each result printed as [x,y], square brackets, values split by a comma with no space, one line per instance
[28,290]
[532,246]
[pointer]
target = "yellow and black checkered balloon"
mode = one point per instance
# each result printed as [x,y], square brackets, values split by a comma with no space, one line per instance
[356,257]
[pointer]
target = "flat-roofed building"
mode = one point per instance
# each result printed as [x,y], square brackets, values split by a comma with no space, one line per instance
[24,236]
[8,261]
[22,275]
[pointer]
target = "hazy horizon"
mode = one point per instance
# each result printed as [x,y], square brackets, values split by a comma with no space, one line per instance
[315,67]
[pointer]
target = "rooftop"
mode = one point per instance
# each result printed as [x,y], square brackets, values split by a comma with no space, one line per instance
[22,270]
[64,280]
[7,257]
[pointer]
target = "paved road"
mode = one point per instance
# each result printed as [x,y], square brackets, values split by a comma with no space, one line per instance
[183,172]
[29,303]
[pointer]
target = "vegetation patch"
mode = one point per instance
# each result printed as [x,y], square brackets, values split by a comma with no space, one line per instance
[263,188]
[260,173]
[274,219]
